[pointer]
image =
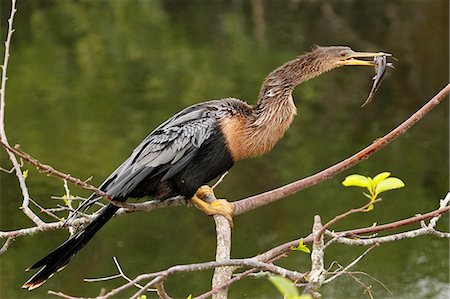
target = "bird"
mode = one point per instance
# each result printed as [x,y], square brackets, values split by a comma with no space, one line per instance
[200,143]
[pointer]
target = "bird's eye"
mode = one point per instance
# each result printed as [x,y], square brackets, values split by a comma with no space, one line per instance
[343,54]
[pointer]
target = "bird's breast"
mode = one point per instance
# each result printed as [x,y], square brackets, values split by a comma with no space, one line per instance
[245,139]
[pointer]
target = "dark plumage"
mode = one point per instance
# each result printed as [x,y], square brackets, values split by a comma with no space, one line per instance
[201,142]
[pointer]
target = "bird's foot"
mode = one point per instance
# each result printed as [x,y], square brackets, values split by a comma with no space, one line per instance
[216,207]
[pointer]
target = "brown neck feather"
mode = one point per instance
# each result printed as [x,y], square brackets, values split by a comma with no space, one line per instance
[271,116]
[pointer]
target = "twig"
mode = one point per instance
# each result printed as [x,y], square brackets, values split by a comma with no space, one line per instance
[155,281]
[253,202]
[43,210]
[6,170]
[425,230]
[161,291]
[396,224]
[367,289]
[219,180]
[121,274]
[346,268]
[352,273]
[6,245]
[62,295]
[344,215]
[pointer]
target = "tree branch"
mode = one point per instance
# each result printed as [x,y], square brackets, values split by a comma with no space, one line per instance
[317,274]
[162,275]
[223,250]
[256,201]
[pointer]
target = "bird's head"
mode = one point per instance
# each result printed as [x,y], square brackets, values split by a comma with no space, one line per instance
[337,56]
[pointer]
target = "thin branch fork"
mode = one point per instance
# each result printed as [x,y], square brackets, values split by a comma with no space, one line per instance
[322,230]
[345,269]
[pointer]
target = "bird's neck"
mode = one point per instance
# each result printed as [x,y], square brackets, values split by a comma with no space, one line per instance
[275,108]
[279,84]
[275,104]
[271,116]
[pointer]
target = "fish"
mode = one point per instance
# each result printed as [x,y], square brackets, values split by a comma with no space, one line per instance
[381,65]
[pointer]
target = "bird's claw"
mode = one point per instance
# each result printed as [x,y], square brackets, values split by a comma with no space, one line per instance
[216,207]
[224,208]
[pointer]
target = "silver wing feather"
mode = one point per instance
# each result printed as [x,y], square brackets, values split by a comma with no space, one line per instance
[173,144]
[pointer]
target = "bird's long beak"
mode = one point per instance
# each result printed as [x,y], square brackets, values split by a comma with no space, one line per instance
[353,61]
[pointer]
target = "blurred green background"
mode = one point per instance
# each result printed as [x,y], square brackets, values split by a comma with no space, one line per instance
[89,79]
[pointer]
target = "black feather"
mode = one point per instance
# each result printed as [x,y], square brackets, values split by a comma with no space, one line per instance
[177,158]
[58,258]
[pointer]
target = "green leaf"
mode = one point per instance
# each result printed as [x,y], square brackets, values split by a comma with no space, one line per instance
[380,177]
[142,297]
[368,196]
[301,247]
[25,173]
[356,180]
[389,184]
[371,184]
[285,287]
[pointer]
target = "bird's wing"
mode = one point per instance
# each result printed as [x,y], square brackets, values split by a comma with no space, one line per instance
[166,150]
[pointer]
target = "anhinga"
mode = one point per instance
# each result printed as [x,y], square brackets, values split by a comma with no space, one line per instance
[202,142]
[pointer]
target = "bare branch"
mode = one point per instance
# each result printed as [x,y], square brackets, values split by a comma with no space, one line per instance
[162,275]
[6,245]
[62,295]
[161,291]
[344,215]
[345,270]
[121,274]
[219,180]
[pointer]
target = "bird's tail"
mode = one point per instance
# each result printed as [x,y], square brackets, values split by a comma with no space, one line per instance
[60,257]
